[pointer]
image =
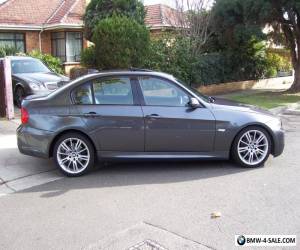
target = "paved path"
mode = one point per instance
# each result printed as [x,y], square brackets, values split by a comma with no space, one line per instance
[17,171]
[162,203]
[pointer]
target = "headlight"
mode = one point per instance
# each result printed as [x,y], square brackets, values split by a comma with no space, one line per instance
[34,86]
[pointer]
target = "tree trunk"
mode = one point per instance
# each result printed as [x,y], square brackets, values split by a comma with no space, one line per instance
[296,84]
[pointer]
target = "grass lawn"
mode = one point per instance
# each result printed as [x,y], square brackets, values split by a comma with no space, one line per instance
[265,99]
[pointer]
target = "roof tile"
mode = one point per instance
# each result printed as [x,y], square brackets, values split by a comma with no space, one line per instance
[41,12]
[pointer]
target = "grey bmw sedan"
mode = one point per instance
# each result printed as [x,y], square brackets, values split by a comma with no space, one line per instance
[140,114]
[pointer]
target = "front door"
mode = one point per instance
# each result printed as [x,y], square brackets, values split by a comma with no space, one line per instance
[170,124]
[111,114]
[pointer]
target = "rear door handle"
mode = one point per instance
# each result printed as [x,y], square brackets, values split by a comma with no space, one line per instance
[153,116]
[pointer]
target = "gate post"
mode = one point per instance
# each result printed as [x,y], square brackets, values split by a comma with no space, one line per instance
[9,99]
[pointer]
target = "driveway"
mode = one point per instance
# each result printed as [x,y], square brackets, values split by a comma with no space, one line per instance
[166,205]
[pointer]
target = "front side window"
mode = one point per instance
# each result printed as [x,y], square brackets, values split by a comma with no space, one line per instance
[67,46]
[159,92]
[14,40]
[114,91]
[83,94]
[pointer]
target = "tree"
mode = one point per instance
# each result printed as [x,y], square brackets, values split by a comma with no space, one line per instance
[120,42]
[282,15]
[100,9]
[192,20]
[239,39]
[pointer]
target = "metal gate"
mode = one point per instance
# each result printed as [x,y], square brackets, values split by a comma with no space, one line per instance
[6,95]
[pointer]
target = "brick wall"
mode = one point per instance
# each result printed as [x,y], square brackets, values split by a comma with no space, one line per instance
[46,42]
[32,40]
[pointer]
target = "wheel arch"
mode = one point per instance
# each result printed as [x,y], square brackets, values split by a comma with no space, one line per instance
[61,133]
[19,85]
[261,125]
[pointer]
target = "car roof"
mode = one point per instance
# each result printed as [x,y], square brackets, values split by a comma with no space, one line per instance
[129,72]
[21,57]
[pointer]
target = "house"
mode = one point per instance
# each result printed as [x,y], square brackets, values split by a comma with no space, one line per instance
[160,18]
[56,26]
[53,26]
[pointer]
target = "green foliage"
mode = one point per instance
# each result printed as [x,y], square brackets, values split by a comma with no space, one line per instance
[8,51]
[52,62]
[120,42]
[88,57]
[209,69]
[277,63]
[170,54]
[98,10]
[239,41]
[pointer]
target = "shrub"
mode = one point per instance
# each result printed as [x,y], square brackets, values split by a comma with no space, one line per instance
[170,54]
[88,57]
[98,10]
[52,62]
[77,72]
[120,42]
[8,51]
[210,68]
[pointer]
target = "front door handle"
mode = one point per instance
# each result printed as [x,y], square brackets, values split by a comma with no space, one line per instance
[153,116]
[90,114]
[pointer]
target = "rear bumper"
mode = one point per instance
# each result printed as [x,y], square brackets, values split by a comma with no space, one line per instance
[34,142]
[278,140]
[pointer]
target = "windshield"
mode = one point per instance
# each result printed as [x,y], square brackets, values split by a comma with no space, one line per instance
[195,91]
[28,66]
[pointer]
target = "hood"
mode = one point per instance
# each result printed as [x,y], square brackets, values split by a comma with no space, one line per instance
[222,103]
[41,77]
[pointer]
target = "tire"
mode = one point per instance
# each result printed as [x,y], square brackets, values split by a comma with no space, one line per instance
[74,154]
[19,96]
[258,145]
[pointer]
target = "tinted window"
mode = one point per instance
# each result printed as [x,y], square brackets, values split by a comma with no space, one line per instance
[158,92]
[113,91]
[28,66]
[83,94]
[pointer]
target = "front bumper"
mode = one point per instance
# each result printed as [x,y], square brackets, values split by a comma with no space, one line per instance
[34,142]
[278,142]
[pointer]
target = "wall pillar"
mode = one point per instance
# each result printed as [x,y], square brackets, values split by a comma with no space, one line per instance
[6,92]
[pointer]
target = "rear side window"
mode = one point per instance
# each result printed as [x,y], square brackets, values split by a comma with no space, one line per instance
[83,94]
[112,91]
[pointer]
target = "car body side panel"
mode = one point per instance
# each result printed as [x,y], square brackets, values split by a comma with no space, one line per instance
[229,122]
[179,129]
[115,127]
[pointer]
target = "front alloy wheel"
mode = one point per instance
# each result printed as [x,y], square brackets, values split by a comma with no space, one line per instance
[74,154]
[252,147]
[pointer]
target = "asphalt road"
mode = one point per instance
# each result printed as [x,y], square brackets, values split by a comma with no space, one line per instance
[169,203]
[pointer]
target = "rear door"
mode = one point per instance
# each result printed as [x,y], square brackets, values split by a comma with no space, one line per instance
[171,125]
[109,109]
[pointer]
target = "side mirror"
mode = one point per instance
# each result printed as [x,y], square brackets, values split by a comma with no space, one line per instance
[194,103]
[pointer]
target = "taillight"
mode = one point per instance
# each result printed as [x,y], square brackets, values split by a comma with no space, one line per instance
[24,116]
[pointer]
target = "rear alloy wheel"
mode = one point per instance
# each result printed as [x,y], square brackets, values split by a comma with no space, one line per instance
[74,154]
[252,147]
[20,95]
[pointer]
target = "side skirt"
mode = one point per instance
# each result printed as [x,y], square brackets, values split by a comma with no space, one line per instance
[162,155]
